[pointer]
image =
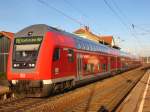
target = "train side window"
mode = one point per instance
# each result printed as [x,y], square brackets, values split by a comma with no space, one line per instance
[89,67]
[104,67]
[70,55]
[99,66]
[56,54]
[86,67]
[92,67]
[90,47]
[78,44]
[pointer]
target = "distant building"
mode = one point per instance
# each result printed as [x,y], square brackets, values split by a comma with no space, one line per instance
[106,40]
[86,33]
[5,41]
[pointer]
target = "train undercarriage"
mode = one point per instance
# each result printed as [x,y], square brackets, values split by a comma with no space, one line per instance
[32,88]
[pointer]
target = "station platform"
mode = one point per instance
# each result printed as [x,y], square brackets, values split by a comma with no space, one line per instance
[3,90]
[4,86]
[139,98]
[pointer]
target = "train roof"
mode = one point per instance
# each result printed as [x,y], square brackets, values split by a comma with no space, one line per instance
[37,29]
[81,43]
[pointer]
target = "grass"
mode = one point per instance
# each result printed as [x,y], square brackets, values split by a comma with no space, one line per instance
[2,75]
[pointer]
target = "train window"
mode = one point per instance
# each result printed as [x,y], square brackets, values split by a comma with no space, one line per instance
[56,54]
[86,46]
[70,55]
[90,47]
[97,48]
[104,67]
[79,44]
[99,66]
[92,67]
[89,67]
[83,46]
[86,67]
[104,49]
[94,47]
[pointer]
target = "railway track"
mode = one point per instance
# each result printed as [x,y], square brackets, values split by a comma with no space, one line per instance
[100,96]
[104,95]
[106,99]
[19,104]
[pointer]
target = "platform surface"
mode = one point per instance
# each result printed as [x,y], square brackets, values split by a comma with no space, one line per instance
[139,98]
[3,89]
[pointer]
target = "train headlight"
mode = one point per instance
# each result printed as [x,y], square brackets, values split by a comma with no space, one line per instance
[15,65]
[30,65]
[14,82]
[33,65]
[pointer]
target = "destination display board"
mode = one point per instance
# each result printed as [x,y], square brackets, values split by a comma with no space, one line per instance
[28,40]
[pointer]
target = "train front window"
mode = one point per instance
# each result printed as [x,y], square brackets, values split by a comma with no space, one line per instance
[26,51]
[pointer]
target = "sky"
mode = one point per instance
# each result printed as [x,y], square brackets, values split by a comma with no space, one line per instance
[127,20]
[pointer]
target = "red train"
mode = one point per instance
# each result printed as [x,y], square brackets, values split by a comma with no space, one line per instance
[44,59]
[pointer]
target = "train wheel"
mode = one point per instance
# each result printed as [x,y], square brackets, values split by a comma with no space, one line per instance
[71,83]
[62,87]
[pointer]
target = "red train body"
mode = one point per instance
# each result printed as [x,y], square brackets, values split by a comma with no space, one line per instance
[44,59]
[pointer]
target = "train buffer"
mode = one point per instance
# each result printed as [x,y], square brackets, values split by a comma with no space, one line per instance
[139,98]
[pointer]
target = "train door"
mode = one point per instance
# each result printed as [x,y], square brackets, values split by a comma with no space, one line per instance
[79,66]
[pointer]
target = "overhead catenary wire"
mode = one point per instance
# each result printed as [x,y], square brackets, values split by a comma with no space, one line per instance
[81,13]
[132,25]
[60,12]
[76,9]
[141,28]
[121,12]
[119,18]
[115,13]
[64,14]
[122,21]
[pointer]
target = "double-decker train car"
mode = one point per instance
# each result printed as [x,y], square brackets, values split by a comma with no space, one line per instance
[44,60]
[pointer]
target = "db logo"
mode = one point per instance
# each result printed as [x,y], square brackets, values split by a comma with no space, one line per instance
[22,75]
